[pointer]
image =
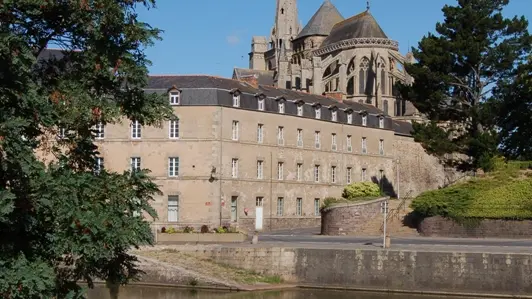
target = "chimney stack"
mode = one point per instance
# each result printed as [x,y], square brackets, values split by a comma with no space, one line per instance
[251,80]
[337,95]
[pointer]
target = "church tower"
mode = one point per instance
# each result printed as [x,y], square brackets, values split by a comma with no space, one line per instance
[285,29]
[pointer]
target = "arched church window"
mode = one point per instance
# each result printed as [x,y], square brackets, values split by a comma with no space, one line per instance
[351,86]
[383,80]
[363,75]
[385,107]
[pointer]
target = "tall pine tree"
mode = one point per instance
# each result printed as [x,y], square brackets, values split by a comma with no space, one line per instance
[455,71]
[62,221]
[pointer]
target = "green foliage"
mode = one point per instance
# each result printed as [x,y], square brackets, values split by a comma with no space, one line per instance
[63,222]
[474,49]
[506,194]
[361,190]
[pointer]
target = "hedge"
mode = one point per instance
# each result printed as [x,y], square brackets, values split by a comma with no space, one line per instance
[505,195]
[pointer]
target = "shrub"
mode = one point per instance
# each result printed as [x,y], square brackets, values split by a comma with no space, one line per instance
[220,230]
[361,190]
[204,229]
[188,229]
[171,230]
[163,229]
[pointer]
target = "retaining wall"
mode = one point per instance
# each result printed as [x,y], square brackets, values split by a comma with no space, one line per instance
[350,218]
[488,228]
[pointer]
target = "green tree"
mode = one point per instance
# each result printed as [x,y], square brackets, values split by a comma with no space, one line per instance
[63,221]
[513,102]
[455,71]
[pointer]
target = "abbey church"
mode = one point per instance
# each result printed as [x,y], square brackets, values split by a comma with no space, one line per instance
[348,59]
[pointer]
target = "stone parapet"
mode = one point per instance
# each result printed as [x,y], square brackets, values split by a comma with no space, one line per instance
[342,219]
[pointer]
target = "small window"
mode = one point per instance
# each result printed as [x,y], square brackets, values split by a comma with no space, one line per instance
[316,207]
[381,122]
[364,145]
[173,208]
[334,115]
[333,174]
[280,206]
[316,173]
[100,131]
[175,98]
[236,99]
[348,175]
[136,130]
[280,171]
[260,170]
[98,164]
[280,135]
[259,201]
[61,134]
[235,130]
[317,139]
[363,176]
[317,111]
[299,171]
[234,168]
[334,144]
[364,120]
[349,118]
[348,144]
[300,137]
[299,206]
[381,147]
[135,164]
[281,107]
[261,104]
[173,129]
[260,133]
[173,167]
[300,110]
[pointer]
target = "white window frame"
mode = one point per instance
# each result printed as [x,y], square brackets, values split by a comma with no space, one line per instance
[61,134]
[333,174]
[348,142]
[173,167]
[350,118]
[280,135]
[281,107]
[381,122]
[317,111]
[280,206]
[317,203]
[349,175]
[259,201]
[317,139]
[364,120]
[364,174]
[300,110]
[174,98]
[260,104]
[234,168]
[299,206]
[136,130]
[381,146]
[236,99]
[260,169]
[99,164]
[280,171]
[135,164]
[334,142]
[235,128]
[300,137]
[260,133]
[364,145]
[316,173]
[173,129]
[100,131]
[174,207]
[299,172]
[334,115]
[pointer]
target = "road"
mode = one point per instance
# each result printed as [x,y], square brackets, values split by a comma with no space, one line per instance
[301,236]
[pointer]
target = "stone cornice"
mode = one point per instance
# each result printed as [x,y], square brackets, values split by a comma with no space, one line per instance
[358,43]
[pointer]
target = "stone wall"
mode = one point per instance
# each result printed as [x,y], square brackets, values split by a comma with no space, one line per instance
[489,228]
[343,219]
[419,171]
[269,224]
[385,270]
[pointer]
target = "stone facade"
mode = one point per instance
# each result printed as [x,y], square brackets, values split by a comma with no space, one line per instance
[487,228]
[344,219]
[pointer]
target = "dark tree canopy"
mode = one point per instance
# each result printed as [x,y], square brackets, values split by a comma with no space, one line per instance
[62,221]
[455,71]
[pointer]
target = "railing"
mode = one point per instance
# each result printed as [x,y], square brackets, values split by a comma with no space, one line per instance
[394,213]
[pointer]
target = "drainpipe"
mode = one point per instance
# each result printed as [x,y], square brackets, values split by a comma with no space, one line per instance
[397,176]
[271,188]
[221,163]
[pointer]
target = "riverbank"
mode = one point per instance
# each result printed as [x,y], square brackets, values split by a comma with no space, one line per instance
[485,274]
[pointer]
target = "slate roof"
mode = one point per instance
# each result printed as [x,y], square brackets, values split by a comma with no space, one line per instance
[47,54]
[362,25]
[322,21]
[263,77]
[402,127]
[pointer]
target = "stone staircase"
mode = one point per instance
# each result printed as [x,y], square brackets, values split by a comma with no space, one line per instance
[398,209]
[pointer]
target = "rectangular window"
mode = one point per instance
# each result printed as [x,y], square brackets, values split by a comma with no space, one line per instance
[333,174]
[281,107]
[348,175]
[260,170]
[173,208]
[364,145]
[381,122]
[234,208]
[260,133]
[100,131]
[280,206]
[349,118]
[334,115]
[135,164]
[316,207]
[261,104]
[234,168]
[173,129]
[348,143]
[280,170]
[364,120]
[316,173]
[236,100]
[259,201]
[299,172]
[300,137]
[363,177]
[236,129]
[136,130]
[381,147]
[299,206]
[280,135]
[334,144]
[300,110]
[318,112]
[174,98]
[173,167]
[381,175]
[98,164]
[317,138]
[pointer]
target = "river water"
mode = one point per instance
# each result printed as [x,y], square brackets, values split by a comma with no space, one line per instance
[143,292]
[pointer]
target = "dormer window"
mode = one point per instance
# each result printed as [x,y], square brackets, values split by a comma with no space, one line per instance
[299,106]
[381,122]
[175,97]
[364,120]
[317,111]
[260,103]
[236,99]
[281,107]
[349,117]
[334,115]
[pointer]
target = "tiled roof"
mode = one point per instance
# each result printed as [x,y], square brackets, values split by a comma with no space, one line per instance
[362,25]
[263,77]
[322,21]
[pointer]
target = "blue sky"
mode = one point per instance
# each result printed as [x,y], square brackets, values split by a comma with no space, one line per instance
[213,36]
